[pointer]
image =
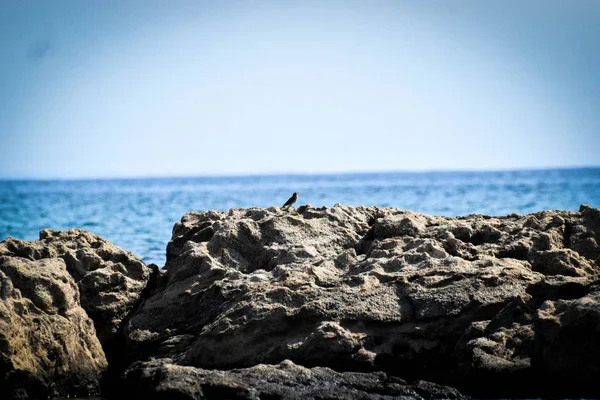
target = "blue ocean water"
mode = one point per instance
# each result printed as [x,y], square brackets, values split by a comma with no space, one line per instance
[139,214]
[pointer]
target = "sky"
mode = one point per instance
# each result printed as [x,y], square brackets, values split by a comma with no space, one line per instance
[102,88]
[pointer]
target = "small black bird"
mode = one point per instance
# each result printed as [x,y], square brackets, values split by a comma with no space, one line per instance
[291,200]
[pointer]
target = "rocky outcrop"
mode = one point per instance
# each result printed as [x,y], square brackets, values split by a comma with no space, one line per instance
[160,380]
[341,302]
[472,301]
[48,344]
[110,279]
[567,340]
[50,290]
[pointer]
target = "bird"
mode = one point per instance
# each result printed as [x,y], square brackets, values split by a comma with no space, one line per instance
[291,200]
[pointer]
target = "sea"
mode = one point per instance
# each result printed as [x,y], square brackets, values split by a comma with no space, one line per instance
[139,214]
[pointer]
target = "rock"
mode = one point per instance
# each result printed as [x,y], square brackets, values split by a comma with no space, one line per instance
[341,302]
[285,381]
[562,262]
[582,233]
[110,279]
[109,283]
[369,289]
[567,342]
[48,344]
[494,352]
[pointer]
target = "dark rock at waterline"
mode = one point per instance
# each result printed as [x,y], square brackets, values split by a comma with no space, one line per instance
[285,381]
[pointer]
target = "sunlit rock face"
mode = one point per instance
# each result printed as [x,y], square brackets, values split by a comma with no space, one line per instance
[472,301]
[48,344]
[64,301]
[110,279]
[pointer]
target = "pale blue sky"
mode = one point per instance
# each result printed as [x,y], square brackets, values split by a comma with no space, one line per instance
[145,88]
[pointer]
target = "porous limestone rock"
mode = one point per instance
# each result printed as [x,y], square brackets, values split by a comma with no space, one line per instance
[110,279]
[48,344]
[374,289]
[285,381]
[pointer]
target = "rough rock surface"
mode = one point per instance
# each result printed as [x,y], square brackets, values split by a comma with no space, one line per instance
[48,344]
[110,279]
[474,301]
[160,380]
[108,283]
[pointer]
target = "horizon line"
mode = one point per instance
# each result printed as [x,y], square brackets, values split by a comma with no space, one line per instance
[297,174]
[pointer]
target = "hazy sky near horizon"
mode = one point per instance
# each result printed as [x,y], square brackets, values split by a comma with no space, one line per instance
[155,88]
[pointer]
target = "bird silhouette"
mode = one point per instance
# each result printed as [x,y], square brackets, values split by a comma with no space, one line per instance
[291,200]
